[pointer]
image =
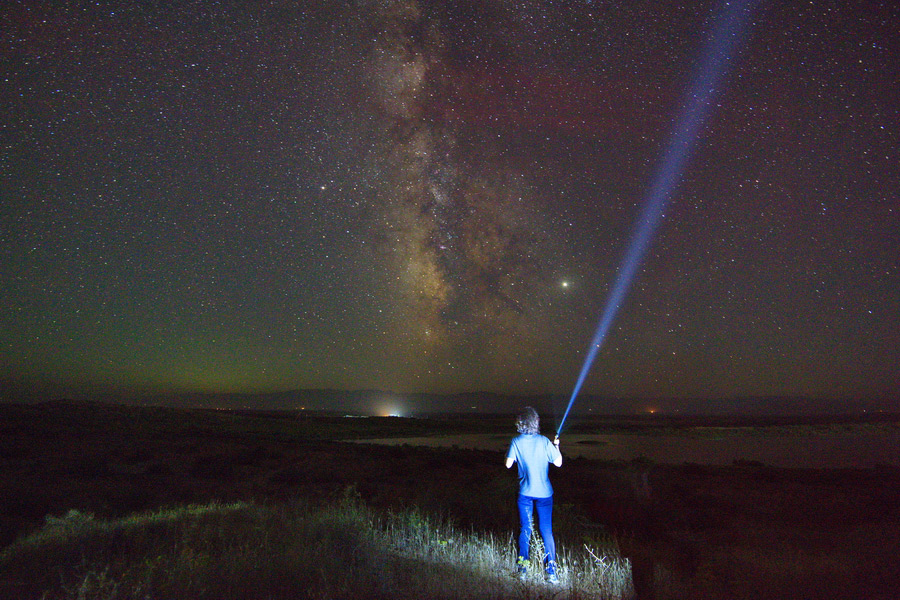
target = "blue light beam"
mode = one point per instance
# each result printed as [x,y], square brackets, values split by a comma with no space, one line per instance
[730,29]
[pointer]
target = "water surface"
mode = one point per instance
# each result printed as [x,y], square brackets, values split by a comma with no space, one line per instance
[833,449]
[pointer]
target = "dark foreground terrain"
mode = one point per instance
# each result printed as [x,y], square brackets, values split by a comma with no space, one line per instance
[691,531]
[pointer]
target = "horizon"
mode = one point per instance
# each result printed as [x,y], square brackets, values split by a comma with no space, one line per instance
[373,402]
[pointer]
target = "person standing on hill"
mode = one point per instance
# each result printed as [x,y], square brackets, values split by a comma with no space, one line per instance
[534,453]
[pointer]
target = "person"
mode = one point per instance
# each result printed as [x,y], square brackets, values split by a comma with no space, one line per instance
[533,454]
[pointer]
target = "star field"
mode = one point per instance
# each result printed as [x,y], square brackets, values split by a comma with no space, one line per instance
[436,196]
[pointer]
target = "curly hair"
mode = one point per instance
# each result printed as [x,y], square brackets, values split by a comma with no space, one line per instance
[528,421]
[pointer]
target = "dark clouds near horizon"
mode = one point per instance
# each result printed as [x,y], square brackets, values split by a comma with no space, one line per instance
[435,196]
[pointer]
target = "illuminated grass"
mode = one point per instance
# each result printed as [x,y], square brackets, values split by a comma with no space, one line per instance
[242,550]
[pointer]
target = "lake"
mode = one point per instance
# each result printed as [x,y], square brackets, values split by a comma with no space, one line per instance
[856,448]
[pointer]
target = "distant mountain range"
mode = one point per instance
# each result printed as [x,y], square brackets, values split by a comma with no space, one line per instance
[376,402]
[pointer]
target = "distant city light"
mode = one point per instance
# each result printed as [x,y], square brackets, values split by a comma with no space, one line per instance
[390,408]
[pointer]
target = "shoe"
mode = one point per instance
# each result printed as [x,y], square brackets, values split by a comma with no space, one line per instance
[522,568]
[552,577]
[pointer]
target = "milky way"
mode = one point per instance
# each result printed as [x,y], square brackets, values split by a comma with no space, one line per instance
[464,235]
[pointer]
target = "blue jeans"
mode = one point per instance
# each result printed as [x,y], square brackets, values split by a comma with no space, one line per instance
[544,506]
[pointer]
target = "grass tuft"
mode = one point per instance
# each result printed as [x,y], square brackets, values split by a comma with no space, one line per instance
[293,550]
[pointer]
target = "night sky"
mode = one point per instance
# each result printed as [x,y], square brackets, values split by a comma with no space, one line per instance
[436,196]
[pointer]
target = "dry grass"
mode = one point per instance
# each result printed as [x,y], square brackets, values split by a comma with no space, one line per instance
[243,551]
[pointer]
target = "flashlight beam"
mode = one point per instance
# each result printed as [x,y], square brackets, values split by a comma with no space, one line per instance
[731,25]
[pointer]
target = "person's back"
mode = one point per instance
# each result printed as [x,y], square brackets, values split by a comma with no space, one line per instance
[533,454]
